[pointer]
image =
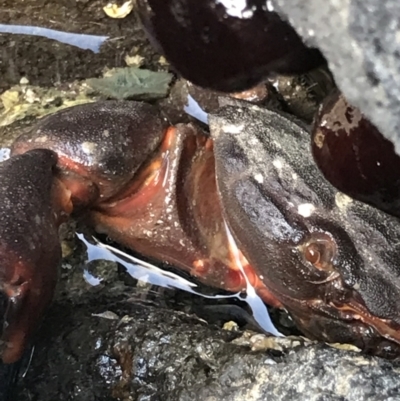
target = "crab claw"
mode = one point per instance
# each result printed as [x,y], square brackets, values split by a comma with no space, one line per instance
[147,186]
[32,205]
[66,163]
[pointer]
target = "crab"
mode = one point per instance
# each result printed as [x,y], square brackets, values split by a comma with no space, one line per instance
[242,203]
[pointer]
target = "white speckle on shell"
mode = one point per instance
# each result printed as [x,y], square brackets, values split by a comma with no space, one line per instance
[278,164]
[89,147]
[253,141]
[259,178]
[41,139]
[233,129]
[306,209]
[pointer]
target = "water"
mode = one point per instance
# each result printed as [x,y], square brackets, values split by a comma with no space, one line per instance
[4,154]
[149,273]
[136,268]
[260,311]
[83,41]
[91,279]
[194,110]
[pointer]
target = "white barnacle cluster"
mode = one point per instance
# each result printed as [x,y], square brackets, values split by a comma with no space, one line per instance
[342,200]
[237,8]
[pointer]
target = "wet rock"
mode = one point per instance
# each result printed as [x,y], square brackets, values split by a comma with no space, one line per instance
[44,61]
[360,39]
[102,347]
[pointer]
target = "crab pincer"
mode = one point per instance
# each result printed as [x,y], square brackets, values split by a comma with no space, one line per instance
[40,188]
[32,205]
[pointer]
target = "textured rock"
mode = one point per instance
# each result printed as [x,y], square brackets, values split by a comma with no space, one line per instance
[132,352]
[361,40]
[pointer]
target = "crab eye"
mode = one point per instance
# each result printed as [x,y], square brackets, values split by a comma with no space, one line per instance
[320,250]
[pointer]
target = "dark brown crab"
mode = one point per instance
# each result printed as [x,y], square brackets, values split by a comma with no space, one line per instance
[170,192]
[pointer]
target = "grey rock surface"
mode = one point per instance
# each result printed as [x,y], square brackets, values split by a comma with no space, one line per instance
[361,41]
